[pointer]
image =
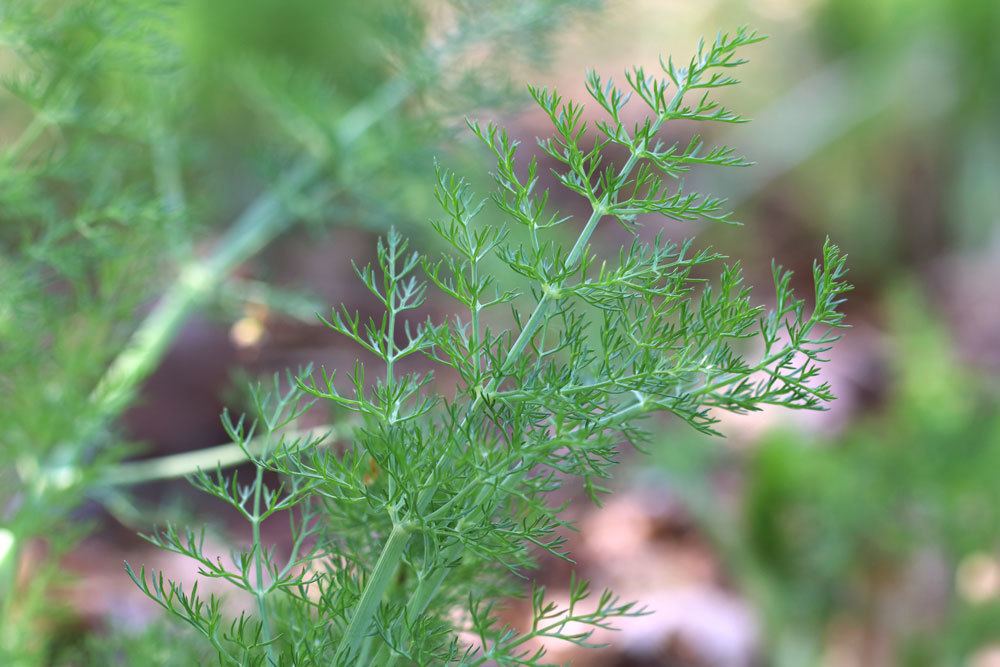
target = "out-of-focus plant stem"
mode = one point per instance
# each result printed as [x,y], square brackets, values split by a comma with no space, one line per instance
[221,456]
[260,224]
[264,220]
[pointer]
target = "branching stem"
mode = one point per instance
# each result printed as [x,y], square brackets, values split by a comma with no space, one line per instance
[428,587]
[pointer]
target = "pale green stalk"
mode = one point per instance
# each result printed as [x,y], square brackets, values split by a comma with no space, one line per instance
[259,590]
[8,579]
[211,458]
[27,137]
[260,224]
[376,586]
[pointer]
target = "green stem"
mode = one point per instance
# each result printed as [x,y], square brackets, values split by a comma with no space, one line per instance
[260,224]
[260,592]
[167,171]
[474,309]
[34,130]
[375,587]
[575,255]
[187,463]
[390,352]
[541,308]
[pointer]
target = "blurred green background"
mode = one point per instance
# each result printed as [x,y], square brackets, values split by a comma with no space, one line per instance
[867,535]
[140,136]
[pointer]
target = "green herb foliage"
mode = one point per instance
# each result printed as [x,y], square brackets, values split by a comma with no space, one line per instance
[404,541]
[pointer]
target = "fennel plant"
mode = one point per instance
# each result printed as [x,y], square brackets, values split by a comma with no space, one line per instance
[406,537]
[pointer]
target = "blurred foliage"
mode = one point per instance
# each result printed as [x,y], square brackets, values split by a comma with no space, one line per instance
[149,149]
[840,529]
[877,125]
[884,129]
[160,643]
[916,178]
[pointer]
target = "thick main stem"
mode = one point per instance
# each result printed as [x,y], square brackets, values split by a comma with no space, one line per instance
[375,587]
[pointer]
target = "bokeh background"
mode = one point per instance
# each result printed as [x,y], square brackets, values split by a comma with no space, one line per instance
[865,535]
